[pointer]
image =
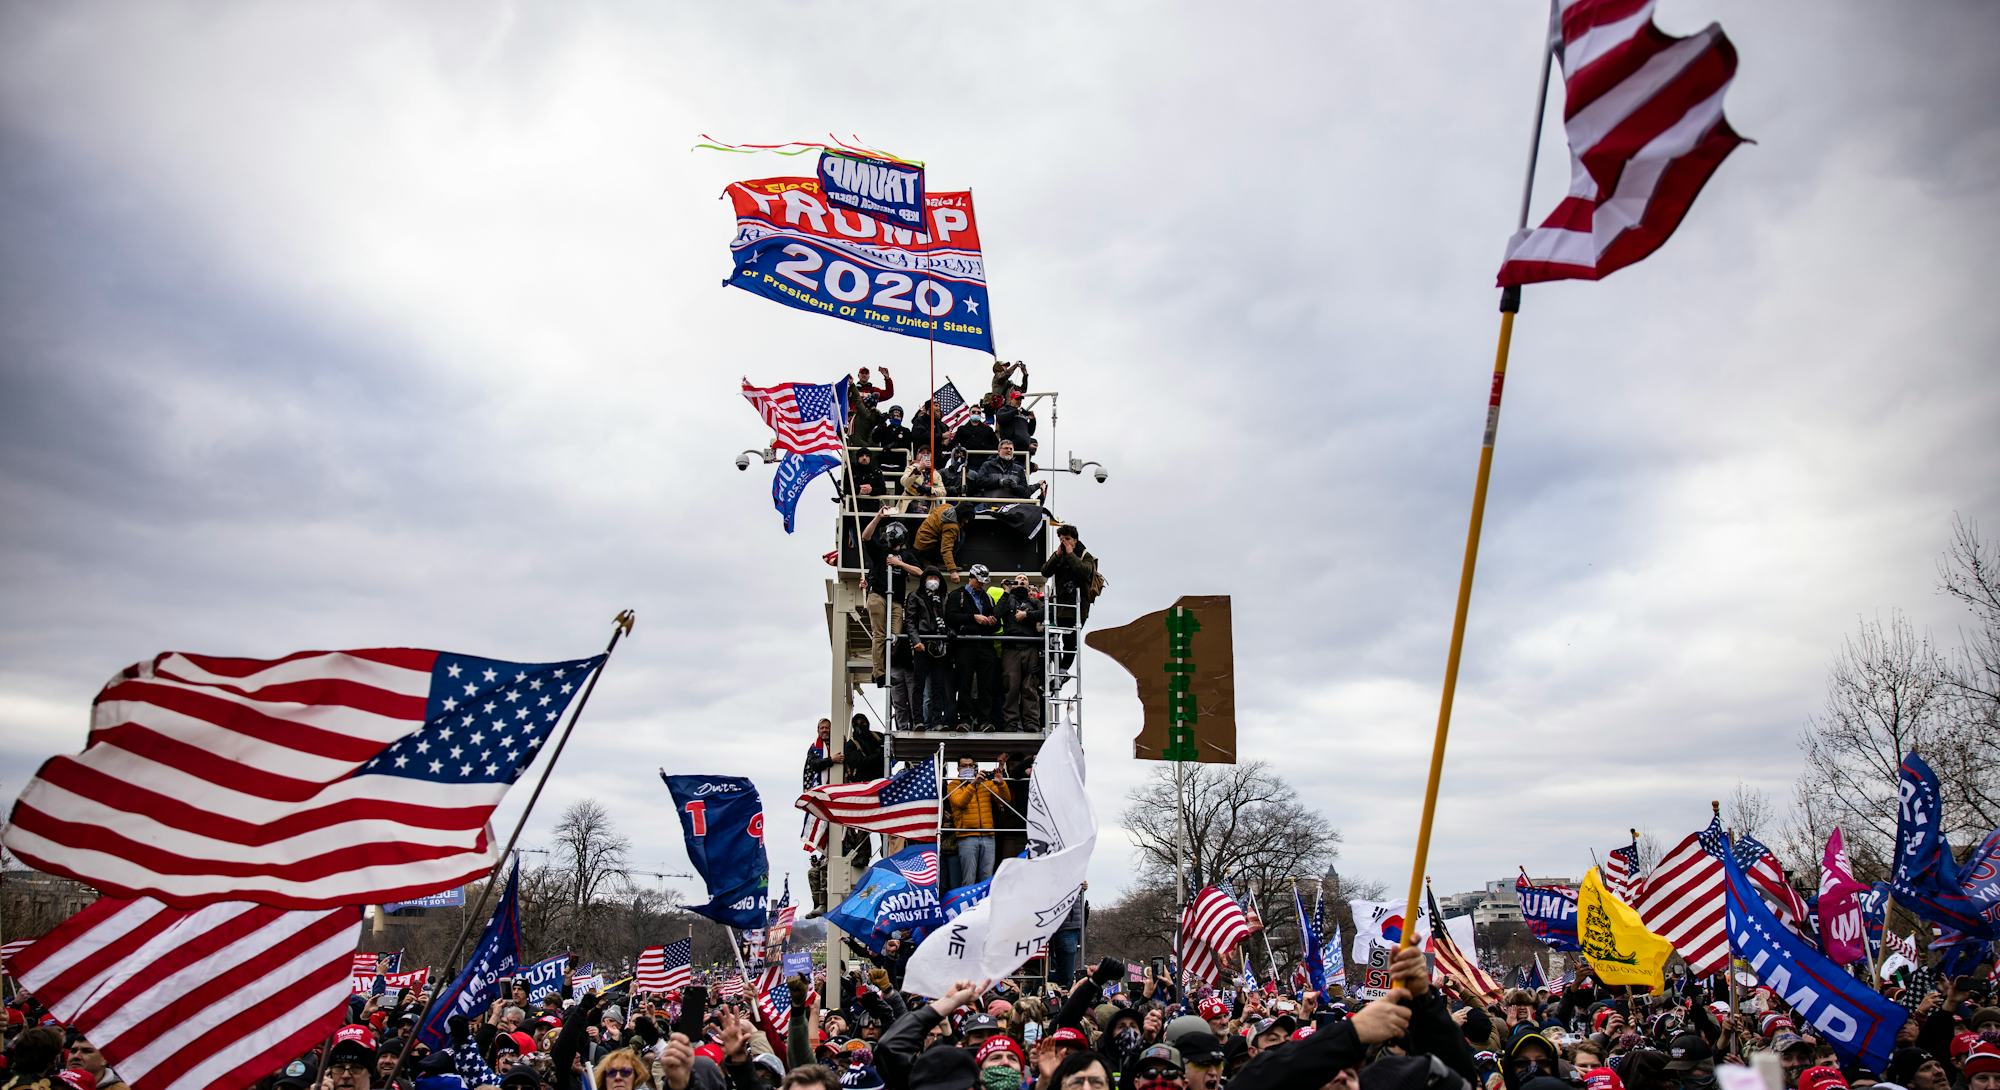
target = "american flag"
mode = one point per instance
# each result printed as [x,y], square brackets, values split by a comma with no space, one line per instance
[188,999]
[1458,967]
[904,805]
[390,963]
[783,916]
[952,409]
[366,964]
[1621,874]
[922,871]
[666,968]
[1557,986]
[1212,925]
[729,987]
[1683,900]
[1646,131]
[774,1002]
[1764,871]
[812,834]
[8,951]
[807,417]
[323,778]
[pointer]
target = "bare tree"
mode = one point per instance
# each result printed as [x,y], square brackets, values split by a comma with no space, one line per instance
[1970,574]
[1888,693]
[591,858]
[1746,811]
[1243,824]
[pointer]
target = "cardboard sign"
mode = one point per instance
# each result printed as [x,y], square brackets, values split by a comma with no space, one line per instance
[1184,662]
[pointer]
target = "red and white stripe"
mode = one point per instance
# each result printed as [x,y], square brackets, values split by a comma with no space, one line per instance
[779,406]
[211,779]
[814,838]
[365,964]
[1683,901]
[1621,872]
[781,929]
[729,987]
[860,806]
[195,999]
[1212,925]
[8,951]
[654,972]
[1646,131]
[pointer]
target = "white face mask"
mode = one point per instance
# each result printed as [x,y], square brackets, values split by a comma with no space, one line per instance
[930,584]
[965,773]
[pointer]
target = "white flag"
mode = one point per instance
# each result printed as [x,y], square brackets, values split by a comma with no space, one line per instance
[1030,898]
[1380,923]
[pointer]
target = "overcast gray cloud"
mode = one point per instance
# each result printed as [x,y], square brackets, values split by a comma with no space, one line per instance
[344,325]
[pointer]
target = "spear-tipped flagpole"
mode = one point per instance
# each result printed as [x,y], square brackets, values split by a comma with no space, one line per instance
[621,626]
[1510,303]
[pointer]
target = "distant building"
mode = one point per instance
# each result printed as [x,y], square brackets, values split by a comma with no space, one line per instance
[32,902]
[1496,903]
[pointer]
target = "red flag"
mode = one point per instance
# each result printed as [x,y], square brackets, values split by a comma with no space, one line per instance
[1645,126]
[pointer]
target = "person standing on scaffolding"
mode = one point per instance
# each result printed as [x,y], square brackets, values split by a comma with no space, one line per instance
[882,549]
[975,619]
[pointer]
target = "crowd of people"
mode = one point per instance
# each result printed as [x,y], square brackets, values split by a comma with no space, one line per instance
[966,648]
[1102,1029]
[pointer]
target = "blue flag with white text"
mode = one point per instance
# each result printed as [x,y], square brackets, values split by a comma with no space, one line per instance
[477,986]
[899,893]
[545,977]
[881,189]
[1550,912]
[795,472]
[1925,879]
[1846,1013]
[722,820]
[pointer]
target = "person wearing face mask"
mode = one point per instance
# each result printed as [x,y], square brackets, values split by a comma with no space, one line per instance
[1002,1066]
[922,622]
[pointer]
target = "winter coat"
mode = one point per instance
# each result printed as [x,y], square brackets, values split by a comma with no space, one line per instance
[963,608]
[938,536]
[972,802]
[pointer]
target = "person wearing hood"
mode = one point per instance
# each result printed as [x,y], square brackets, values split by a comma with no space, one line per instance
[894,439]
[1533,1063]
[937,537]
[1333,1055]
[1123,1039]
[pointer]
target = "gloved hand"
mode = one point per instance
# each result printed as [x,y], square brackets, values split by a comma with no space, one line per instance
[1108,971]
[879,978]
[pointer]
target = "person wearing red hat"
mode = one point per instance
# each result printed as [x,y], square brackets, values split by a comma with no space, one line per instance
[1982,1067]
[350,1063]
[1822,1078]
[1057,1047]
[1000,1053]
[1216,1013]
[1602,1078]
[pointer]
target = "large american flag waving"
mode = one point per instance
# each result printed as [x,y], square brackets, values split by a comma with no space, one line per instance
[1645,126]
[806,417]
[320,779]
[1212,925]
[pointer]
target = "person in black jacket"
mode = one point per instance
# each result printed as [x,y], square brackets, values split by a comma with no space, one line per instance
[1016,423]
[979,440]
[922,625]
[894,439]
[864,480]
[1434,1052]
[974,620]
[1021,658]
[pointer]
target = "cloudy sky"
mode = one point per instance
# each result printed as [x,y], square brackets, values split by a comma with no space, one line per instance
[336,325]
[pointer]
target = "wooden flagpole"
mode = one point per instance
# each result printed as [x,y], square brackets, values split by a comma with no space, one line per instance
[1510,304]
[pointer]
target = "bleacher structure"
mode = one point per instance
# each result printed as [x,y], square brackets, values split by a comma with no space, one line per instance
[1006,552]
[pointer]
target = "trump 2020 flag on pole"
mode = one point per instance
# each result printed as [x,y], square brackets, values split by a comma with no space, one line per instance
[1846,1013]
[499,950]
[320,779]
[722,820]
[1030,897]
[794,473]
[925,282]
[1643,114]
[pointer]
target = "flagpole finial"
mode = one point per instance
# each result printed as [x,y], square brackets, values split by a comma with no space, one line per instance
[1635,836]
[1715,807]
[624,620]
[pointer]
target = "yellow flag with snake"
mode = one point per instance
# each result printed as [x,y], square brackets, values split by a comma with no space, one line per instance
[1617,944]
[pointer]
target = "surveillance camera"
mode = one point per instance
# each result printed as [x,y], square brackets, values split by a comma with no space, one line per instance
[1100,474]
[743,461]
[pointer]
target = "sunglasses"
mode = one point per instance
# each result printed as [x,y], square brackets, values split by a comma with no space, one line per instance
[621,1073]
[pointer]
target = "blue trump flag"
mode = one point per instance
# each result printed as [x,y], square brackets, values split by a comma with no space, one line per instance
[1925,879]
[899,893]
[1550,912]
[499,950]
[795,472]
[1860,1024]
[881,189]
[545,977]
[723,822]
[1309,941]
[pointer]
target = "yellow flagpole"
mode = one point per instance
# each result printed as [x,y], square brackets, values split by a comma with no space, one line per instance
[1510,304]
